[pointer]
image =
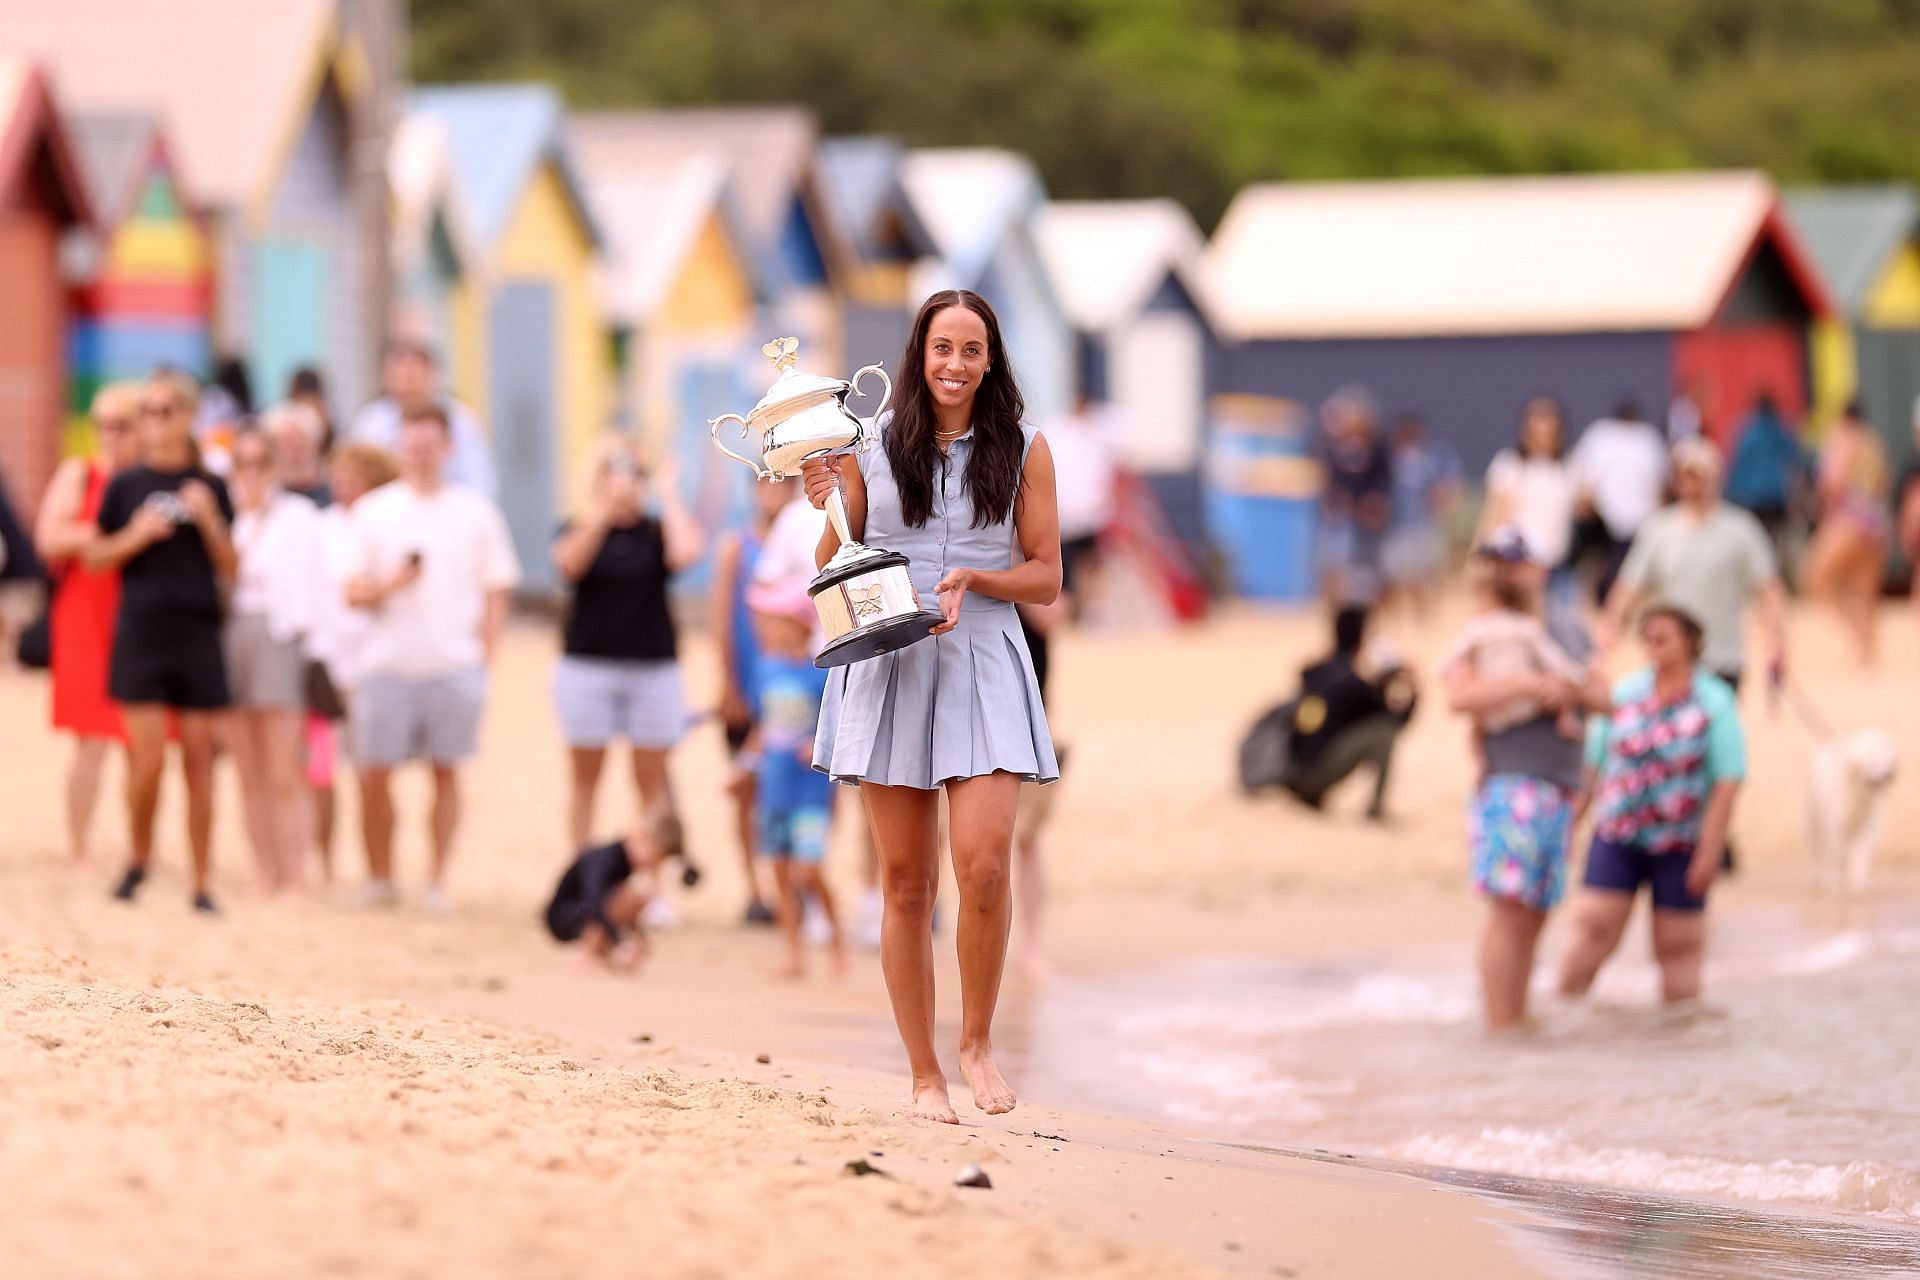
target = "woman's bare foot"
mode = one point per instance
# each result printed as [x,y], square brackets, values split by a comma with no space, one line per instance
[791,971]
[991,1093]
[930,1102]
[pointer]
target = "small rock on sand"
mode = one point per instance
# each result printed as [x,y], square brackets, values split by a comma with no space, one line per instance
[973,1176]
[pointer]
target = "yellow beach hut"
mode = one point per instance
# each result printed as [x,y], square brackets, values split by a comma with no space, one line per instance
[530,350]
[680,286]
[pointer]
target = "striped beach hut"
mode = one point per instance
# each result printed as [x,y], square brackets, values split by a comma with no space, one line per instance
[1866,242]
[1128,275]
[42,197]
[1457,299]
[979,204]
[866,209]
[682,288]
[430,240]
[142,274]
[530,351]
[258,103]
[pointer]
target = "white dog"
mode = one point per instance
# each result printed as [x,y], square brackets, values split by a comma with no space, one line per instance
[1847,785]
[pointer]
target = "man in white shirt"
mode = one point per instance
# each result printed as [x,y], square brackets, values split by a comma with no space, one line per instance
[409,380]
[432,566]
[1620,469]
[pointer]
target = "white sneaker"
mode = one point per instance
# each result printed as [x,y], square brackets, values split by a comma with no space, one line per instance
[813,924]
[377,895]
[866,928]
[435,901]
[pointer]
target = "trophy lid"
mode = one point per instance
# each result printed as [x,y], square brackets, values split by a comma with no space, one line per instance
[793,390]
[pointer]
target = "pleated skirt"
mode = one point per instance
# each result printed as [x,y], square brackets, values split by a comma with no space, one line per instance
[960,705]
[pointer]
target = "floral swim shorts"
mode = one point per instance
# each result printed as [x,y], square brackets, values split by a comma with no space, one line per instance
[1518,830]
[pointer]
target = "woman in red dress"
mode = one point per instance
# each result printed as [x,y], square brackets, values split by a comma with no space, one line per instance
[84,604]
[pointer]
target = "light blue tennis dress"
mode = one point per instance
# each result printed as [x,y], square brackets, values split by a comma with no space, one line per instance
[958,705]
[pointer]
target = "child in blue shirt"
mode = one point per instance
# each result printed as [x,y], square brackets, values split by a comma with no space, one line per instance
[794,804]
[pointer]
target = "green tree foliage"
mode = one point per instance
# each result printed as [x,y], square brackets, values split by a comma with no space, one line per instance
[1196,98]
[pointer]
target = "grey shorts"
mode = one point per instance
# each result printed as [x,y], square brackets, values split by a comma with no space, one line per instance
[263,673]
[437,718]
[600,699]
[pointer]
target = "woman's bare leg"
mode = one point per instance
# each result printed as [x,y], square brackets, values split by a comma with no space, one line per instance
[1599,918]
[903,834]
[1680,948]
[196,759]
[1030,896]
[651,780]
[981,813]
[241,728]
[146,756]
[278,737]
[786,911]
[1506,961]
[811,880]
[83,793]
[586,762]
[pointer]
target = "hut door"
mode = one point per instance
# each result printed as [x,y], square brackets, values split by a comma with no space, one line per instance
[522,396]
[1156,375]
[291,296]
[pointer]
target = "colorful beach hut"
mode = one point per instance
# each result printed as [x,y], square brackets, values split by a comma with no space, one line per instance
[142,274]
[680,282]
[42,197]
[258,103]
[530,350]
[1458,299]
[979,204]
[430,240]
[866,210]
[1866,242]
[1127,273]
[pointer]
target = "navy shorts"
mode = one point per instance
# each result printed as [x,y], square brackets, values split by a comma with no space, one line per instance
[1623,868]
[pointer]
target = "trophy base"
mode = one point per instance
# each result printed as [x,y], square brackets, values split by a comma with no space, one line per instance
[877,638]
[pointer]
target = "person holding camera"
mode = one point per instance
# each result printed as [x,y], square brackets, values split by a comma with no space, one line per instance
[432,566]
[619,672]
[165,526]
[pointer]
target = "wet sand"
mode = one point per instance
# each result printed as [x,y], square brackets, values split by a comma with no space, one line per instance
[304,1088]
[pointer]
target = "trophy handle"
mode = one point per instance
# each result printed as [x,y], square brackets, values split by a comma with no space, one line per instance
[713,429]
[870,426]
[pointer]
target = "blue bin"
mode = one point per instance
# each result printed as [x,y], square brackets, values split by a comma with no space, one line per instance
[1263,498]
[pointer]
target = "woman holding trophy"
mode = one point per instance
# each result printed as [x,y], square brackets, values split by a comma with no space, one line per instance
[965,490]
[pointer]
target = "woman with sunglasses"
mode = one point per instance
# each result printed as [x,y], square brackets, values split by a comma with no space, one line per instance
[85,602]
[619,676]
[164,526]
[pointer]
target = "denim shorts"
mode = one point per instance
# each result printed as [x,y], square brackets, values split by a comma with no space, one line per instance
[1623,868]
[602,699]
[437,718]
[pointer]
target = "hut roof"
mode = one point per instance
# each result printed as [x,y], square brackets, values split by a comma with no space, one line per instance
[114,149]
[654,202]
[1852,232]
[1107,258]
[860,185]
[970,198]
[33,133]
[232,81]
[498,136]
[1493,255]
[421,179]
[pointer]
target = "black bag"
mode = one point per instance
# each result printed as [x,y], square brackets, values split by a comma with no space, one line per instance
[35,646]
[322,696]
[1266,752]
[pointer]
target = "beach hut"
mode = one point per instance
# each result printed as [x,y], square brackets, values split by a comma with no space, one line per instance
[979,203]
[1459,298]
[1127,273]
[1866,242]
[770,156]
[430,240]
[258,103]
[530,351]
[42,197]
[866,210]
[680,280]
[142,273]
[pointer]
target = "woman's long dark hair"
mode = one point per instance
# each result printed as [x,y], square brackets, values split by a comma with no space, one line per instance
[993,471]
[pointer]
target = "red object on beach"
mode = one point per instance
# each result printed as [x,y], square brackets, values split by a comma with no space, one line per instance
[1140,531]
[81,618]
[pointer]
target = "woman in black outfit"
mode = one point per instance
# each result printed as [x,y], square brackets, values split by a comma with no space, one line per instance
[164,525]
[619,676]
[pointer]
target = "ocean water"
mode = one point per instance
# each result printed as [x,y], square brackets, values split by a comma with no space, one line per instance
[1797,1083]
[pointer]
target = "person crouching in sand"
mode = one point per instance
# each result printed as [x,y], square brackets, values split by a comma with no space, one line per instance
[601,895]
[1524,691]
[793,804]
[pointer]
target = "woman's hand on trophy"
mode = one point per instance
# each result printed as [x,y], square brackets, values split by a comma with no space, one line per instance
[821,476]
[951,589]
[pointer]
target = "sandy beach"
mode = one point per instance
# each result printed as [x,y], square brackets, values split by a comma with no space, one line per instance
[301,1088]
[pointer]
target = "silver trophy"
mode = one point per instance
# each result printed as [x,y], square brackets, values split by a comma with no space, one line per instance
[865,598]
